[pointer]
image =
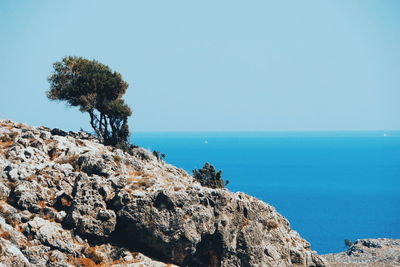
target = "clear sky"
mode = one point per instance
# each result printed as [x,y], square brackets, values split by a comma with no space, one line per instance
[212,65]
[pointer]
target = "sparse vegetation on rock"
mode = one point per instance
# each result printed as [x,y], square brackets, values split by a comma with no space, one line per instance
[348,243]
[159,155]
[208,176]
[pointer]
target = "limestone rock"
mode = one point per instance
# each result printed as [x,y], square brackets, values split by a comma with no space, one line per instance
[66,200]
[11,256]
[28,194]
[51,234]
[89,213]
[212,227]
[368,252]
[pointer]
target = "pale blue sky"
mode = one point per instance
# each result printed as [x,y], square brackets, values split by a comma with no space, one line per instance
[212,65]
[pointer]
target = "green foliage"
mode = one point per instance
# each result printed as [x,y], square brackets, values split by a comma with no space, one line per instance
[97,90]
[209,177]
[348,243]
[159,155]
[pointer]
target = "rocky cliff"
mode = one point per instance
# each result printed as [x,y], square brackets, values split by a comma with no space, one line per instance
[379,252]
[67,200]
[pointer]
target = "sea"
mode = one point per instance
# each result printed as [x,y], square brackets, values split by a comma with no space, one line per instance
[331,186]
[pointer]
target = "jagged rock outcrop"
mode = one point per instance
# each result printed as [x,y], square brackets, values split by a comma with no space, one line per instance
[367,253]
[66,200]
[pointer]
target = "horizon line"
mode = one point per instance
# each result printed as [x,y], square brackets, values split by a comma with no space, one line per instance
[268,131]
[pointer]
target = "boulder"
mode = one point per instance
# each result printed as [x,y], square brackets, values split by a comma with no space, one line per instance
[59,132]
[89,214]
[11,255]
[212,227]
[51,234]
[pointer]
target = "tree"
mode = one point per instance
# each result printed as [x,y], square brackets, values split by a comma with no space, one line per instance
[97,90]
[209,177]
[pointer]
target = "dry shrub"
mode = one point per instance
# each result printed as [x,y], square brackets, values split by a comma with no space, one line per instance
[18,228]
[117,159]
[94,256]
[3,210]
[84,262]
[135,176]
[5,235]
[129,190]
[187,216]
[5,144]
[79,142]
[244,223]
[12,185]
[42,204]
[24,243]
[11,222]
[52,153]
[132,179]
[45,175]
[30,178]
[7,140]
[48,141]
[176,188]
[135,173]
[145,183]
[271,224]
[148,175]
[72,160]
[52,259]
[12,135]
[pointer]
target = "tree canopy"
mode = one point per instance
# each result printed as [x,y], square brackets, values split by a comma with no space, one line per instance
[97,90]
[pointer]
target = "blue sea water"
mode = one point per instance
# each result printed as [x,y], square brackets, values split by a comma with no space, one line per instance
[331,186]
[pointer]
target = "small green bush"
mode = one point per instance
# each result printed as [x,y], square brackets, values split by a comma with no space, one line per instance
[348,243]
[159,155]
[209,177]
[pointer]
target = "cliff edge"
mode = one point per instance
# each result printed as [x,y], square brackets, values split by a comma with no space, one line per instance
[66,200]
[378,252]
